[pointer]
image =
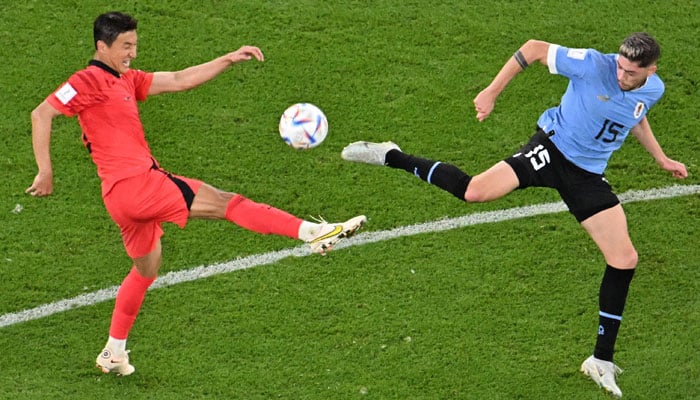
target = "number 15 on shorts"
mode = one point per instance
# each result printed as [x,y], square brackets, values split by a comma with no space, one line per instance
[539,157]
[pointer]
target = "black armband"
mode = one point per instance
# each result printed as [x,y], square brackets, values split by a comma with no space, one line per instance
[520,58]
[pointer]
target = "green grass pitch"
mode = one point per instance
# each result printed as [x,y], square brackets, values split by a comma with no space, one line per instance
[504,310]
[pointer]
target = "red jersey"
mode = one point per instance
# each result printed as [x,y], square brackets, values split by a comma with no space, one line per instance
[109,117]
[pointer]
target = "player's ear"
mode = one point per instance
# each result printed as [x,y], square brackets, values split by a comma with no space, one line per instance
[651,70]
[101,46]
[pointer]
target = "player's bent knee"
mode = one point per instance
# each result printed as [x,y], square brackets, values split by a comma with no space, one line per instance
[479,195]
[492,184]
[474,196]
[626,260]
[633,258]
[210,202]
[476,191]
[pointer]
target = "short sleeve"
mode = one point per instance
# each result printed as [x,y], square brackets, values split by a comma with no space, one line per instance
[570,62]
[142,83]
[60,99]
[76,94]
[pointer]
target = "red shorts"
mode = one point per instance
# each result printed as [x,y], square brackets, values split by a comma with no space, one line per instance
[140,204]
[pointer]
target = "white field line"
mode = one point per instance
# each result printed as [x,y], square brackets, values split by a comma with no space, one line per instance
[176,277]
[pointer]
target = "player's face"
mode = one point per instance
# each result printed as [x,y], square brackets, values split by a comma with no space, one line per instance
[120,54]
[630,75]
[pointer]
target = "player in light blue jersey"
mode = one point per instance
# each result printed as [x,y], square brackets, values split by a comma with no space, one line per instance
[608,97]
[596,113]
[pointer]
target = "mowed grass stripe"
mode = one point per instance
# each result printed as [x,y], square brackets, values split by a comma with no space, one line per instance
[176,277]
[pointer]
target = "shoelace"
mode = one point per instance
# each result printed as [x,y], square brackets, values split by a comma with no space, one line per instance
[616,370]
[319,219]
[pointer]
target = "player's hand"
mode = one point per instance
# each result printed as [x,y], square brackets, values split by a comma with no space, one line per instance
[246,53]
[484,103]
[42,185]
[677,169]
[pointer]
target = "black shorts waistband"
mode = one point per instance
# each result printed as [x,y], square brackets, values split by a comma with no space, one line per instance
[548,134]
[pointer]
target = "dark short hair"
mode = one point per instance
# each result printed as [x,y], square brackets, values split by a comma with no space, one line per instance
[110,25]
[641,48]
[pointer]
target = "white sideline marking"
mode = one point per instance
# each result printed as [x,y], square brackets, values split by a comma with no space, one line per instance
[175,277]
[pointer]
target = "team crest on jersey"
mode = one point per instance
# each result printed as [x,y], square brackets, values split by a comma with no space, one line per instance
[638,110]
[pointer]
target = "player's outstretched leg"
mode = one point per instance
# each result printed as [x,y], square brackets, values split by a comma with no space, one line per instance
[445,176]
[265,219]
[603,373]
[368,152]
[323,236]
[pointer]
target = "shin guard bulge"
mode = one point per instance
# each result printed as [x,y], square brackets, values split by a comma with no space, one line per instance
[128,303]
[262,218]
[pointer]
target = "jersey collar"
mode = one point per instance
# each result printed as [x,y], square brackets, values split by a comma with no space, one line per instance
[100,64]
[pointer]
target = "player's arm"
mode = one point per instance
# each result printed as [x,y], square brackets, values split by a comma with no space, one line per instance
[645,136]
[194,76]
[530,52]
[42,117]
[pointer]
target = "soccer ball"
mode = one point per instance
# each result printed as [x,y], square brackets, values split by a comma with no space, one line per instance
[303,126]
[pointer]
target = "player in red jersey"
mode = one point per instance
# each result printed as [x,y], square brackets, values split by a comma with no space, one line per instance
[138,194]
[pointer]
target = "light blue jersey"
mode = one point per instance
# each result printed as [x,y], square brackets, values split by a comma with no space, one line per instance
[595,115]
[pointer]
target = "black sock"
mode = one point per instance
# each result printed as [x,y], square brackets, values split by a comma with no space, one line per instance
[445,176]
[612,297]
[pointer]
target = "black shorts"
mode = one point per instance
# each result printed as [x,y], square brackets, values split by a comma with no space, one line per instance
[540,164]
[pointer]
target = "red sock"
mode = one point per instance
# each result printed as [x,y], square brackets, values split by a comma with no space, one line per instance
[128,303]
[262,218]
